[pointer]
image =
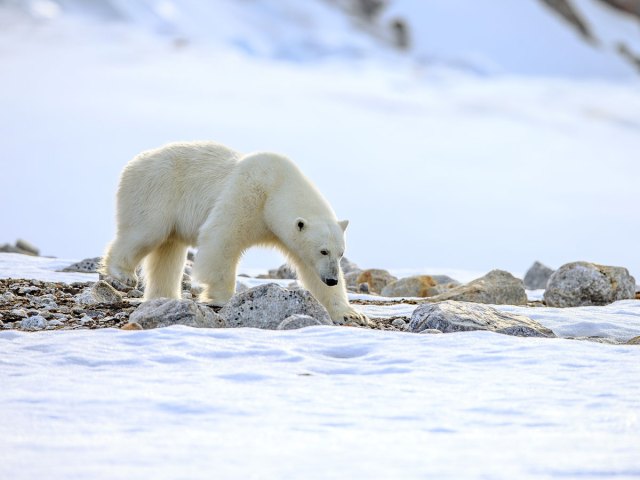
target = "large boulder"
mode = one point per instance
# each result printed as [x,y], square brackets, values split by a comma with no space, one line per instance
[451,316]
[376,278]
[537,276]
[164,312]
[496,287]
[266,306]
[583,283]
[283,272]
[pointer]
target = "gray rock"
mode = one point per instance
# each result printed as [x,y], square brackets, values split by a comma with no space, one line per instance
[537,276]
[36,322]
[7,298]
[88,265]
[18,313]
[283,272]
[451,316]
[582,283]
[99,292]
[496,287]
[266,306]
[135,293]
[347,266]
[299,321]
[164,312]
[445,280]
[399,323]
[351,278]
[54,323]
[430,331]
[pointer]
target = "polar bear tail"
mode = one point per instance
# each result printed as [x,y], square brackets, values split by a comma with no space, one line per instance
[163,269]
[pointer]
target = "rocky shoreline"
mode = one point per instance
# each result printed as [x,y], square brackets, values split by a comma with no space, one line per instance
[442,304]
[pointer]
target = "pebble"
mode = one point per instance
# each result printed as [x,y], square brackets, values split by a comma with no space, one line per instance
[19,312]
[37,322]
[399,323]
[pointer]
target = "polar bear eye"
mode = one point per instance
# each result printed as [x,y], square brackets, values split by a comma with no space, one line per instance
[324,252]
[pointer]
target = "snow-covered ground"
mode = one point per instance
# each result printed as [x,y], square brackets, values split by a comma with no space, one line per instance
[318,403]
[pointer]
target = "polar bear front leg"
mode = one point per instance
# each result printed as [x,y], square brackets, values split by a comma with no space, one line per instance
[215,268]
[334,298]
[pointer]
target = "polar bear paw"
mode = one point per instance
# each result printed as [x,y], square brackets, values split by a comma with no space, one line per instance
[351,316]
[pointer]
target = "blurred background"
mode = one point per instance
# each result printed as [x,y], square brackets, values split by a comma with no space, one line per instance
[457,134]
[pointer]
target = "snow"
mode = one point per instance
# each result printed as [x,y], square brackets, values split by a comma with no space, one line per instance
[315,403]
[320,402]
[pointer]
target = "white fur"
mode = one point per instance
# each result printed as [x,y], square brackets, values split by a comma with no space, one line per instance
[205,195]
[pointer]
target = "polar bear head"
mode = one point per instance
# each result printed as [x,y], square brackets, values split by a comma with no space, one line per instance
[321,246]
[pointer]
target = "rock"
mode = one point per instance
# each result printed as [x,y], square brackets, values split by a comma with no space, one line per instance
[99,292]
[496,287]
[351,278]
[452,316]
[364,288]
[36,322]
[164,312]
[634,341]
[266,306]
[18,313]
[299,321]
[582,283]
[399,323]
[118,285]
[54,323]
[430,331]
[88,265]
[131,326]
[27,247]
[417,286]
[135,293]
[7,298]
[22,246]
[348,266]
[537,276]
[376,278]
[445,280]
[283,272]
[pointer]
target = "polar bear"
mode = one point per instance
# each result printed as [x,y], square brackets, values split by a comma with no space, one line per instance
[206,195]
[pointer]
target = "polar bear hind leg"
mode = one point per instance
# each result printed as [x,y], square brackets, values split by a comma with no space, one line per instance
[163,268]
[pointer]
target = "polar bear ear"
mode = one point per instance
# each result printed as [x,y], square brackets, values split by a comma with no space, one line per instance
[343,224]
[300,223]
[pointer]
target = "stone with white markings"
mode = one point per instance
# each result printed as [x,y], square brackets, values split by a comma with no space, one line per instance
[452,316]
[582,283]
[164,312]
[266,306]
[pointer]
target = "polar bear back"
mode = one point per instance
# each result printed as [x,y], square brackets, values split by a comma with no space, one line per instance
[175,186]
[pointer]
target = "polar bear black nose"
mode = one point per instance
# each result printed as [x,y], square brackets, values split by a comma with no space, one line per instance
[332,282]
